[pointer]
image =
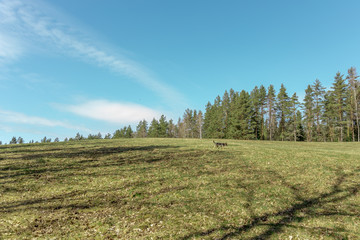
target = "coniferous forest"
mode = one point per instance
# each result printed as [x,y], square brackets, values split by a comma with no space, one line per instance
[266,113]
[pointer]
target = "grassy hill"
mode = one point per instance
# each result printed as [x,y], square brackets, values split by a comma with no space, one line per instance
[180,189]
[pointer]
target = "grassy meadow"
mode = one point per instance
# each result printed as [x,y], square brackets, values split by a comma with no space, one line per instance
[180,189]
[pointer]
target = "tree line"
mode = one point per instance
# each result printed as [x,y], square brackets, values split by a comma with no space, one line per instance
[262,114]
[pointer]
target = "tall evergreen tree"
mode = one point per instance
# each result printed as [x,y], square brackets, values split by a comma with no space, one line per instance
[263,101]
[271,103]
[339,89]
[171,133]
[128,132]
[354,101]
[294,104]
[255,102]
[309,112]
[318,98]
[213,121]
[329,116]
[282,106]
[163,127]
[13,140]
[141,129]
[299,129]
[241,114]
[154,129]
[189,123]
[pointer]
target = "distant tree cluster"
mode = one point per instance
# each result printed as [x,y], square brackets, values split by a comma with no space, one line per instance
[190,126]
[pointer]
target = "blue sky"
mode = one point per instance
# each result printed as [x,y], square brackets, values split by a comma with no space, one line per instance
[96,66]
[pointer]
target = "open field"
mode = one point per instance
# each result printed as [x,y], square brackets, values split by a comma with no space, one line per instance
[180,189]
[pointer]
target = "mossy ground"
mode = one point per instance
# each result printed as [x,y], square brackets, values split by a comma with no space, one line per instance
[180,189]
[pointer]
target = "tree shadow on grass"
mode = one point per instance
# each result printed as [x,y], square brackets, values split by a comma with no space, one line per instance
[81,159]
[306,208]
[87,152]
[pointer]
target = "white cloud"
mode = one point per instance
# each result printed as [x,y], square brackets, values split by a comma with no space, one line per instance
[113,112]
[30,22]
[16,117]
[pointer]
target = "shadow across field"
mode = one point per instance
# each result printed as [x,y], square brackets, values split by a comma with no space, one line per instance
[305,208]
[83,152]
[81,158]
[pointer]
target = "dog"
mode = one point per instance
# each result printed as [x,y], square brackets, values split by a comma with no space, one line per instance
[219,144]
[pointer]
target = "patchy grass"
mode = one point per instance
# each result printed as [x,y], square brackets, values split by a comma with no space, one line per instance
[180,189]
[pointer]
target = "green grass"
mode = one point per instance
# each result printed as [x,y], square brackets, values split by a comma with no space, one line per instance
[180,189]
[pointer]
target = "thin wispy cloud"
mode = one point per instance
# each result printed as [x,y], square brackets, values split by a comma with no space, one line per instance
[113,112]
[20,118]
[27,21]
[9,49]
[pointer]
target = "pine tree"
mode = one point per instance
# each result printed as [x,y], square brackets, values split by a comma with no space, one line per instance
[163,127]
[299,129]
[309,112]
[154,129]
[225,106]
[188,120]
[180,128]
[241,114]
[354,100]
[119,133]
[282,106]
[171,133]
[128,132]
[329,116]
[263,101]
[256,106]
[141,129]
[20,140]
[200,123]
[294,104]
[271,103]
[318,96]
[213,122]
[13,140]
[339,89]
